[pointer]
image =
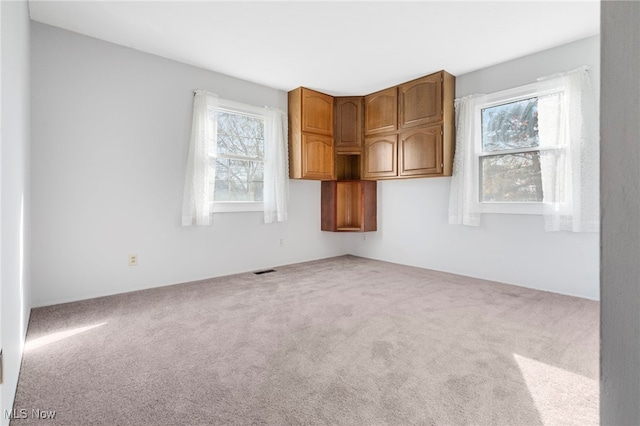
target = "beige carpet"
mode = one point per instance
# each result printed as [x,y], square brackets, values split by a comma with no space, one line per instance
[346,341]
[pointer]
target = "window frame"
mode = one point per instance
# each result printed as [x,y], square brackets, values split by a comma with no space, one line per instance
[491,100]
[238,108]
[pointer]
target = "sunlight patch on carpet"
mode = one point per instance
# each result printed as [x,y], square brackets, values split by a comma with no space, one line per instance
[56,337]
[560,396]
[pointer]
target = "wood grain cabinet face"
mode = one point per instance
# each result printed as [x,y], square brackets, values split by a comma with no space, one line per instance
[311,153]
[317,157]
[406,131]
[420,152]
[380,156]
[381,111]
[349,206]
[420,101]
[317,112]
[348,123]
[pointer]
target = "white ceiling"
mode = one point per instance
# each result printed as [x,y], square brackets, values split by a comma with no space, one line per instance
[340,48]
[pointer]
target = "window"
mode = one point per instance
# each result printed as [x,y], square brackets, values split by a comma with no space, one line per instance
[531,150]
[510,157]
[237,161]
[237,158]
[509,178]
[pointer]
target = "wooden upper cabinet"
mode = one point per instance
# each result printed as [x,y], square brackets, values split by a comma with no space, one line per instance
[420,152]
[317,157]
[348,123]
[381,111]
[311,153]
[420,101]
[401,132]
[317,112]
[380,156]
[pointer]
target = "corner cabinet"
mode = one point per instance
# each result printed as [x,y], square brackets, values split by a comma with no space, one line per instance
[350,142]
[348,203]
[420,140]
[349,206]
[311,152]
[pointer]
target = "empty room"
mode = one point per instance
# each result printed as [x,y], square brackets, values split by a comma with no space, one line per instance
[354,213]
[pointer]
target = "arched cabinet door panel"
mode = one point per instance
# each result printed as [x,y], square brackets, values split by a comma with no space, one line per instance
[317,157]
[380,156]
[420,152]
[381,111]
[348,123]
[317,112]
[420,101]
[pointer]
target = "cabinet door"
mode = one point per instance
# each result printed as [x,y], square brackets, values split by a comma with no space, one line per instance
[380,156]
[317,157]
[348,125]
[420,152]
[317,112]
[381,111]
[420,101]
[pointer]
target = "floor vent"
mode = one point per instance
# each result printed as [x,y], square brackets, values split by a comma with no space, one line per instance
[266,271]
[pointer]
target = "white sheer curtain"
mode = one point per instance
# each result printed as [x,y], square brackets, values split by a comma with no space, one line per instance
[464,208]
[276,166]
[196,204]
[569,152]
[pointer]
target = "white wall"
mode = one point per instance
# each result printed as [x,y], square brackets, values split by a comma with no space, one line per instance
[110,141]
[515,249]
[14,194]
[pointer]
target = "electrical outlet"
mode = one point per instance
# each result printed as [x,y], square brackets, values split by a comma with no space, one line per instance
[281,242]
[133,260]
[364,237]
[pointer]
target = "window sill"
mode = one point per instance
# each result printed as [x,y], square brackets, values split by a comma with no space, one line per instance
[512,208]
[235,207]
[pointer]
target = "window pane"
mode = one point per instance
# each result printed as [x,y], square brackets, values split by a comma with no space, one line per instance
[238,180]
[511,178]
[510,126]
[240,135]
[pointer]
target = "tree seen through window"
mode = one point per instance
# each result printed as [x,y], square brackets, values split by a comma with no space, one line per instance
[511,176]
[239,165]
